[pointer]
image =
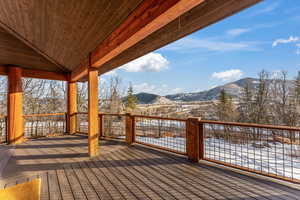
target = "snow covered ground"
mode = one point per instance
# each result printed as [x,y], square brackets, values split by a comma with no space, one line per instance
[177,144]
[280,159]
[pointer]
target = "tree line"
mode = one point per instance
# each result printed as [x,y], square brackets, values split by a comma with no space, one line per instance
[274,100]
[48,96]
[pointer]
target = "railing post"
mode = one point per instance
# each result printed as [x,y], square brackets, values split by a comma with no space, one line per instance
[6,130]
[192,139]
[201,140]
[67,123]
[100,125]
[129,127]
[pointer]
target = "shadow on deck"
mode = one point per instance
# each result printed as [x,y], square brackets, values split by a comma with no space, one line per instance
[136,172]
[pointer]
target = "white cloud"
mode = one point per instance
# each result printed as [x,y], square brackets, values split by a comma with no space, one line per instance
[237,31]
[177,90]
[189,43]
[229,75]
[111,73]
[298,51]
[276,74]
[155,89]
[285,41]
[265,10]
[152,62]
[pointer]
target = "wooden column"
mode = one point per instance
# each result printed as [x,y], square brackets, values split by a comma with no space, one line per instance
[72,107]
[15,128]
[93,136]
[129,127]
[192,131]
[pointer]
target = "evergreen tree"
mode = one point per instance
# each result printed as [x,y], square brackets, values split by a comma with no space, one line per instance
[261,99]
[245,107]
[225,107]
[131,99]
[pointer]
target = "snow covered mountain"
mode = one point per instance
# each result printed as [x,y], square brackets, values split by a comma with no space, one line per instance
[233,89]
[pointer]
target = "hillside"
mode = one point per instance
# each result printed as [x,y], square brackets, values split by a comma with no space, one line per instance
[233,89]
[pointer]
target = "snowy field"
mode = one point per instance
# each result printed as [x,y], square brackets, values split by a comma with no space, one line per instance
[277,158]
[177,144]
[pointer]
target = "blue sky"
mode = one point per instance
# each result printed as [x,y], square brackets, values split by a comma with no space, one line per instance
[265,36]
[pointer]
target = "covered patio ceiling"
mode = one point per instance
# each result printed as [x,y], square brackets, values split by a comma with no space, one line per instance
[61,39]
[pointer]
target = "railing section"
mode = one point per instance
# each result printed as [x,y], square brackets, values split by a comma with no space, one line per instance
[39,125]
[268,150]
[113,126]
[164,133]
[3,129]
[82,122]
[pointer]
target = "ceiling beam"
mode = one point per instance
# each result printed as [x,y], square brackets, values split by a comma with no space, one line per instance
[194,20]
[40,74]
[148,17]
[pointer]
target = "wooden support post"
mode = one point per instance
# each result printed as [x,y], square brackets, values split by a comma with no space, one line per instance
[201,140]
[72,107]
[129,126]
[100,125]
[93,136]
[192,131]
[15,130]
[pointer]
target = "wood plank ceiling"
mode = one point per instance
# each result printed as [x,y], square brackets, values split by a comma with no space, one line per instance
[14,51]
[64,31]
[58,35]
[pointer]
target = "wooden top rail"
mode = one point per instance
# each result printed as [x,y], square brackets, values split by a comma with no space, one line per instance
[251,125]
[44,115]
[163,118]
[2,116]
[112,114]
[81,113]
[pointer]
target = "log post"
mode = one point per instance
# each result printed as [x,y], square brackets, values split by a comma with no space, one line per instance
[93,136]
[129,127]
[192,132]
[72,107]
[15,130]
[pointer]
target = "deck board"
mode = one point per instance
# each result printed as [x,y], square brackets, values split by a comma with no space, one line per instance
[135,172]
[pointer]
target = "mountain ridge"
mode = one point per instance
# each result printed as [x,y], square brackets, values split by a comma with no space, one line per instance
[233,89]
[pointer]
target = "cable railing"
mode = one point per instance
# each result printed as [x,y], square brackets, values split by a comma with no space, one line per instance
[3,129]
[82,122]
[164,133]
[40,125]
[113,125]
[264,149]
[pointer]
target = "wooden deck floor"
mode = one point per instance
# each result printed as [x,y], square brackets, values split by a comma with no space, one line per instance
[122,172]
